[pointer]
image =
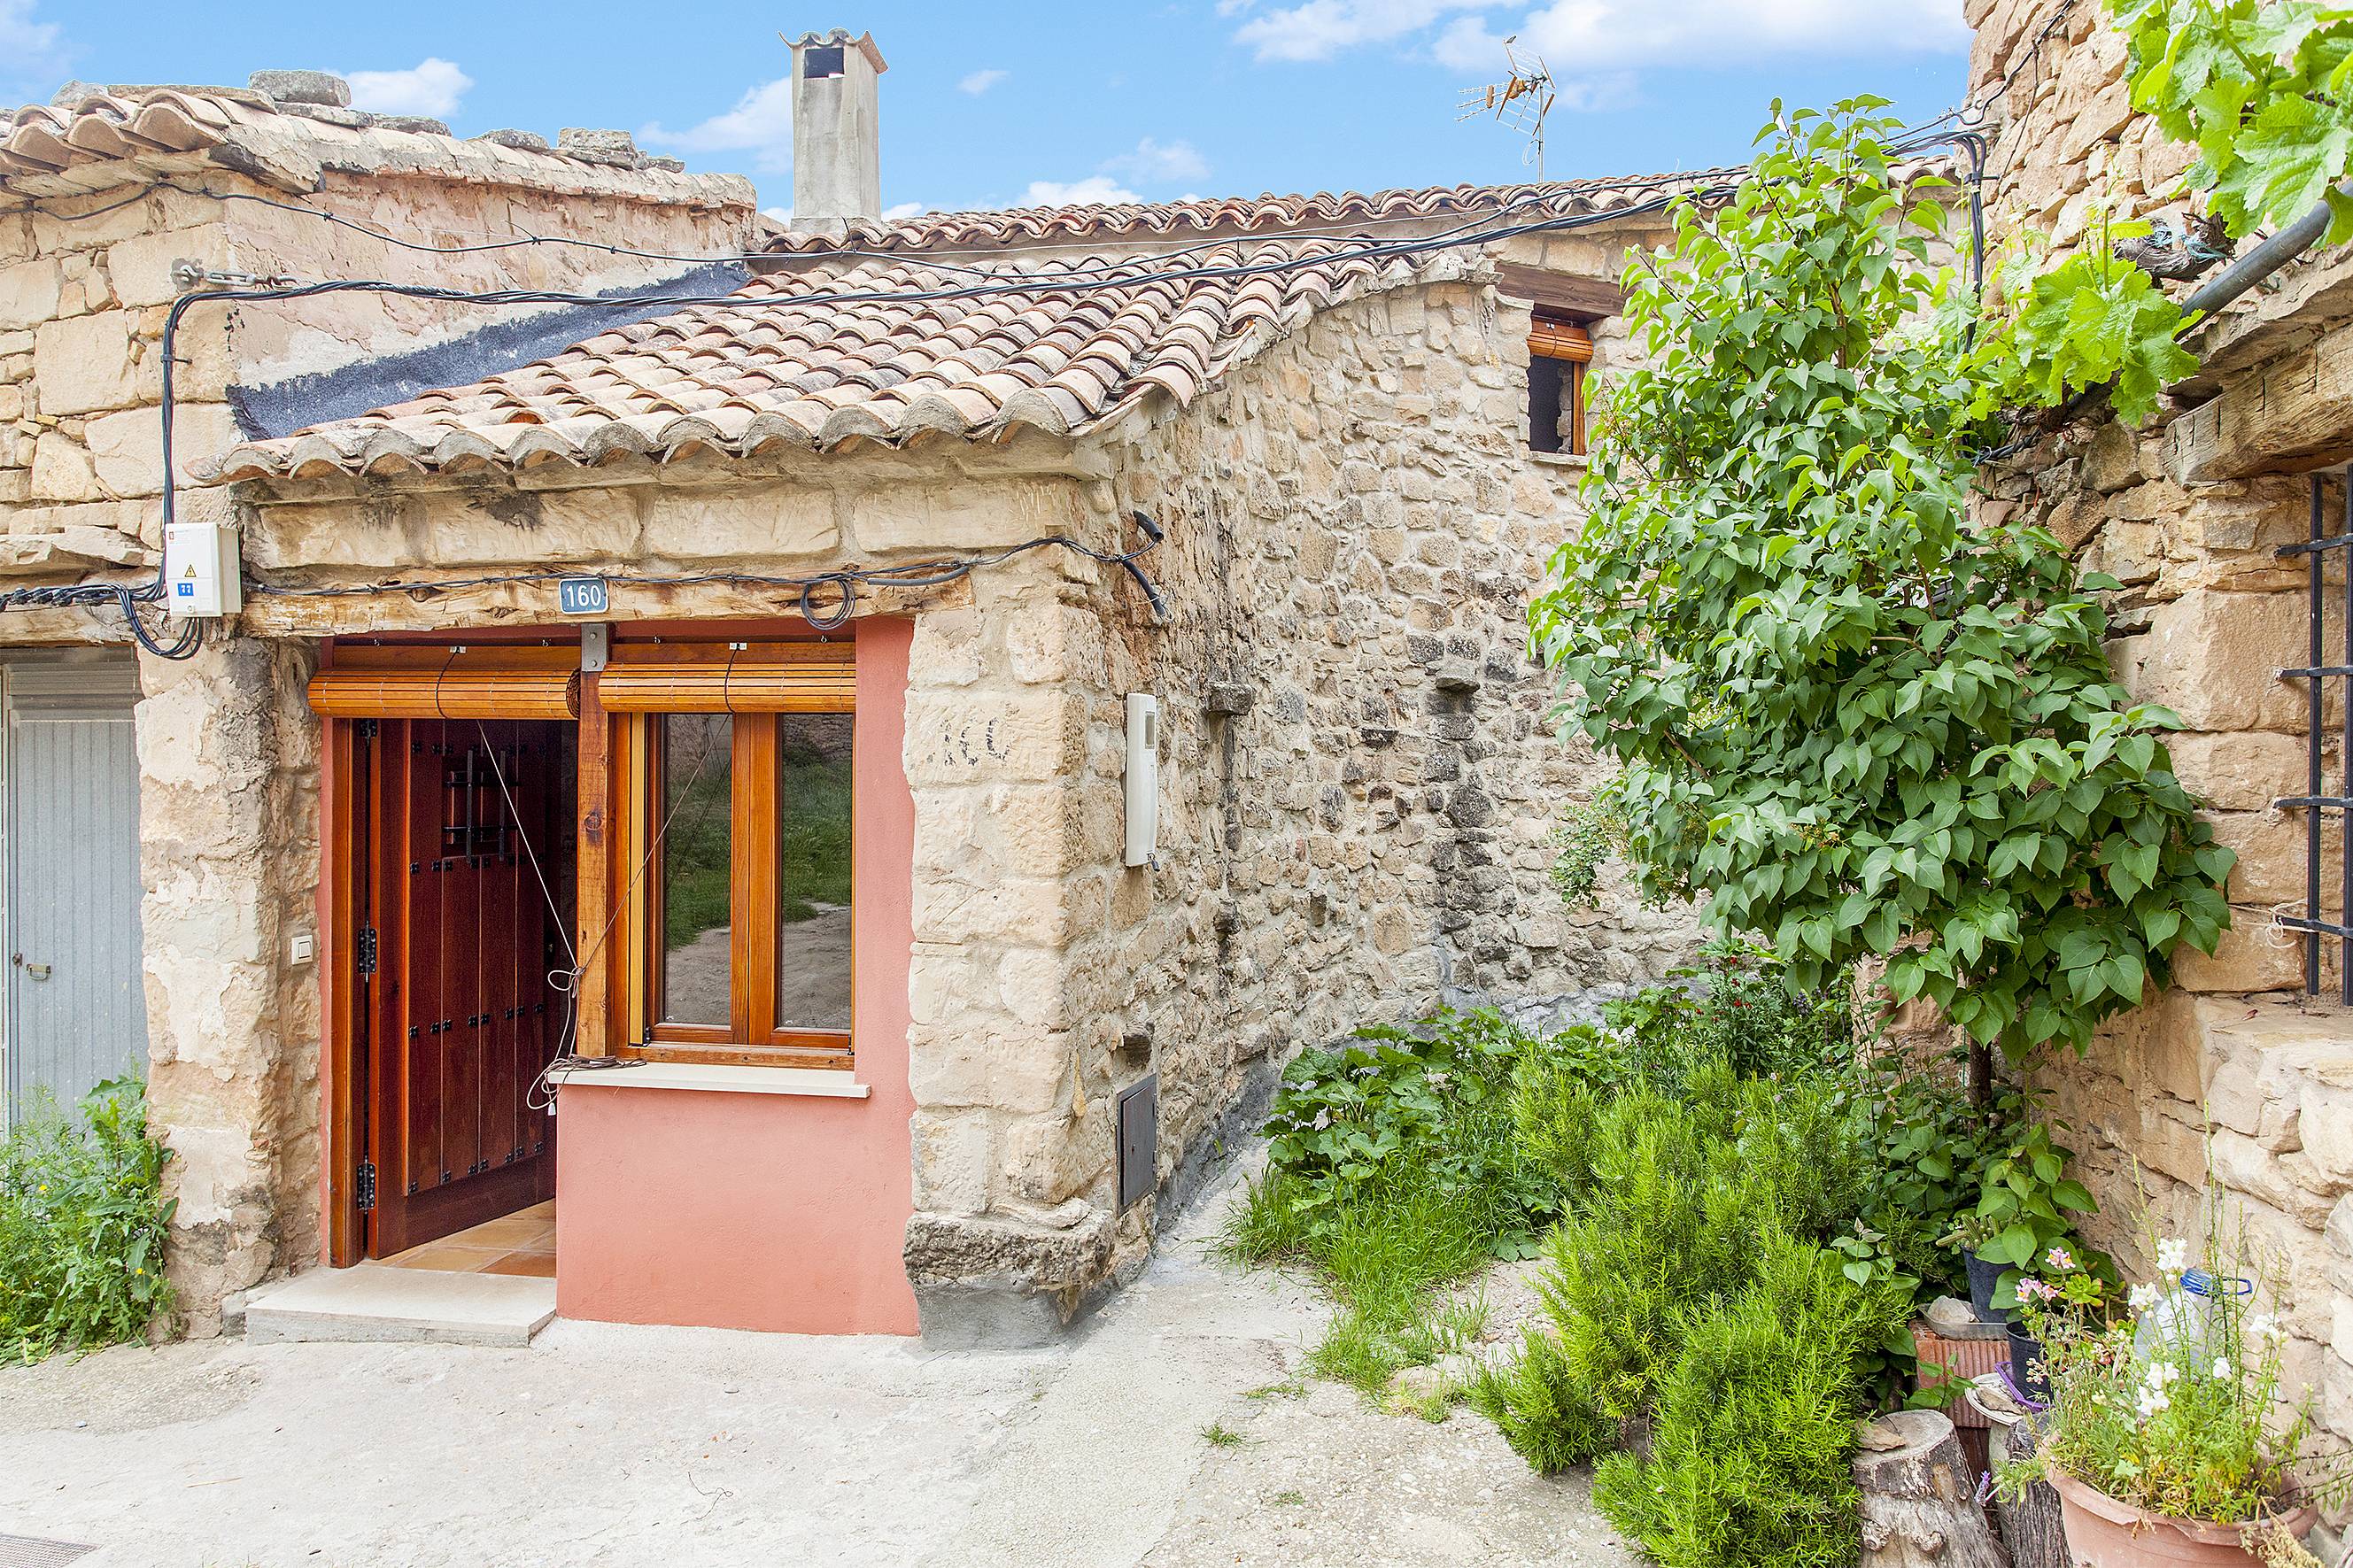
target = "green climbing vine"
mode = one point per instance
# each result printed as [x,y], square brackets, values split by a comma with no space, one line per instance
[1854,719]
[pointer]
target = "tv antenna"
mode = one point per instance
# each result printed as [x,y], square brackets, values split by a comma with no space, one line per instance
[1519,102]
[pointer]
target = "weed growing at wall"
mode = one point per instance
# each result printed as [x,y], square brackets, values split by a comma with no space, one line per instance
[82,1219]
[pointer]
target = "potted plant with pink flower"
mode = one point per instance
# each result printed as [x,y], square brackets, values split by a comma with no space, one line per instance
[2165,1438]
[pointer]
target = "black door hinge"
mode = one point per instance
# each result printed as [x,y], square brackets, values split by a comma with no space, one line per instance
[367,729]
[367,950]
[367,1186]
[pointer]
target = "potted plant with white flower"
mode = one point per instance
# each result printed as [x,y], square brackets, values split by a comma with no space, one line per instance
[2170,1438]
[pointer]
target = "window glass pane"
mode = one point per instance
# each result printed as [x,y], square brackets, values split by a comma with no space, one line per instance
[695,802]
[813,788]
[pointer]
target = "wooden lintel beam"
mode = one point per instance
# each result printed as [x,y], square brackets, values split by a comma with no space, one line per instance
[1559,290]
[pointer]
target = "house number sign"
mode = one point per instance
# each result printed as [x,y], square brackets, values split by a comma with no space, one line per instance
[581,596]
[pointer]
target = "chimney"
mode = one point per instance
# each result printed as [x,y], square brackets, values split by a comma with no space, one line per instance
[836,133]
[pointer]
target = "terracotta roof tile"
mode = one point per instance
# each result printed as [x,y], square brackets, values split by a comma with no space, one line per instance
[96,137]
[787,361]
[1264,214]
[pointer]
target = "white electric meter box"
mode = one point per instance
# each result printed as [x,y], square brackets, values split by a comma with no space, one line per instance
[201,572]
[1143,777]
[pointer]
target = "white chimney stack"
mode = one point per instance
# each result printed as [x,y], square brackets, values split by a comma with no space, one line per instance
[837,130]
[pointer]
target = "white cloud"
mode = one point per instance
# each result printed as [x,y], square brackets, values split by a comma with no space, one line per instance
[1154,163]
[433,87]
[1151,164]
[32,54]
[1319,29]
[760,123]
[980,81]
[1592,45]
[1095,190]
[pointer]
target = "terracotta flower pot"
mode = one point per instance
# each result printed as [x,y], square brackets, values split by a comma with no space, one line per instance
[2104,1533]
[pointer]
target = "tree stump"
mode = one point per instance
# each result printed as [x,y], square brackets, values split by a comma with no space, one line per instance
[1919,1498]
[2030,1524]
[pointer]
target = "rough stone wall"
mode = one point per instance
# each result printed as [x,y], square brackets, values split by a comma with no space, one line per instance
[228,844]
[2230,1073]
[83,299]
[1358,787]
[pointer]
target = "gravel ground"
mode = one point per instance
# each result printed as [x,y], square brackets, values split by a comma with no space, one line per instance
[679,1447]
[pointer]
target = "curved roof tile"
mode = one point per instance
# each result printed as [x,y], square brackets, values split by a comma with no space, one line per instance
[1152,221]
[788,359]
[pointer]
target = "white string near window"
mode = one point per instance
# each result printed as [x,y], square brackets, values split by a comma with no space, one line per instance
[541,1094]
[2278,935]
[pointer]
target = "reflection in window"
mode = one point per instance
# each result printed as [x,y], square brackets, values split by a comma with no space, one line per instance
[695,855]
[813,794]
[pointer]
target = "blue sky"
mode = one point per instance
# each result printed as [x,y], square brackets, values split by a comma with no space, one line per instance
[991,105]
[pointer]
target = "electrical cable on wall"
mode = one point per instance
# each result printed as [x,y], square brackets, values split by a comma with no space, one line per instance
[1124,273]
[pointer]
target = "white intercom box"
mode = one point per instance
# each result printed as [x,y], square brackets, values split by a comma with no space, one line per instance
[201,574]
[1143,777]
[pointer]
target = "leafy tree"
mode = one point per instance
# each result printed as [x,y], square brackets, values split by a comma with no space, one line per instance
[1855,721]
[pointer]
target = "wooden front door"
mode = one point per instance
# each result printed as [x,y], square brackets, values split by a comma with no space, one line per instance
[467,815]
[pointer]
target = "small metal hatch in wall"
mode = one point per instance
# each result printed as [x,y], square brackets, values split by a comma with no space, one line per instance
[1135,1111]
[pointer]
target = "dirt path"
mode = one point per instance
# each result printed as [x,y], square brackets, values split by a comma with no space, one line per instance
[676,1448]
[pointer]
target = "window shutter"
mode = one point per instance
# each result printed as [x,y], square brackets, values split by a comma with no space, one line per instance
[493,683]
[1551,339]
[790,677]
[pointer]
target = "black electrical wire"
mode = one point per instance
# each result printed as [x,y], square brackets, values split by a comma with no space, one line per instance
[1108,273]
[1138,273]
[936,572]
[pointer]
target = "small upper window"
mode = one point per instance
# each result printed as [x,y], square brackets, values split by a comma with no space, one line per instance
[822,62]
[1560,349]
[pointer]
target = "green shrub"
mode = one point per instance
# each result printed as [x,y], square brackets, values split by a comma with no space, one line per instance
[1752,1434]
[1433,1101]
[82,1222]
[1540,1404]
[1736,1008]
[1681,1196]
[1663,1224]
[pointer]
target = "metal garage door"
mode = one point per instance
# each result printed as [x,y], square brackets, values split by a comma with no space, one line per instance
[76,1009]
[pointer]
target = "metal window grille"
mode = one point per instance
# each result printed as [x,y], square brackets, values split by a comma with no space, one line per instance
[2315,676]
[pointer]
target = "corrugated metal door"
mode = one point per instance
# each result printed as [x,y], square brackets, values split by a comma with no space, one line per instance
[75,1005]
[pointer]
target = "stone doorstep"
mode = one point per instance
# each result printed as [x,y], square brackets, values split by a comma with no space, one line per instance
[376,1304]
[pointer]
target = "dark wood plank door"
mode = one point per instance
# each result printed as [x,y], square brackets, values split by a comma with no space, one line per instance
[466,1016]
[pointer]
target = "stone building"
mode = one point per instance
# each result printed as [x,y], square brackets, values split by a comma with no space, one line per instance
[2237,1072]
[1164,567]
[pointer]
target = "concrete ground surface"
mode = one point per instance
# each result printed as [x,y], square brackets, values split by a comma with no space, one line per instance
[677,1447]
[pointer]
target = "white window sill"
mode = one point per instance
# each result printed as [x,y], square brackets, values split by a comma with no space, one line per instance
[1556,459]
[710,1077]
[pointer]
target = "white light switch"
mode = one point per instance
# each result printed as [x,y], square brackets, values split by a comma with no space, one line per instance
[302,949]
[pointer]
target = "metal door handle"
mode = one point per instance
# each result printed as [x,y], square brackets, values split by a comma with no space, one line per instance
[38,971]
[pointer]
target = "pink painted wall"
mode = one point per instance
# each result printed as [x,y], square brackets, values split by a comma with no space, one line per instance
[768,1211]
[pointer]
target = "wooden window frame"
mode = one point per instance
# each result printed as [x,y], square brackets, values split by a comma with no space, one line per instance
[1561,339]
[751,1037]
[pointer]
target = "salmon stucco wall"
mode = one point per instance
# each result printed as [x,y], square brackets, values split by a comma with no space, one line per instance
[768,1211]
